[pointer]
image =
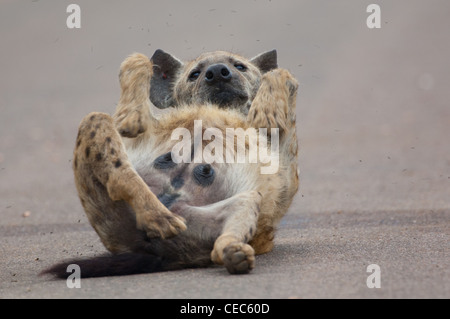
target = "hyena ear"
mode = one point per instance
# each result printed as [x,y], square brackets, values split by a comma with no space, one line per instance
[165,71]
[266,61]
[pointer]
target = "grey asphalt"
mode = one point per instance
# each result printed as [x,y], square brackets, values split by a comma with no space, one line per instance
[373,125]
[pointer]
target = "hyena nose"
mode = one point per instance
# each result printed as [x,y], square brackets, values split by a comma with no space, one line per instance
[218,73]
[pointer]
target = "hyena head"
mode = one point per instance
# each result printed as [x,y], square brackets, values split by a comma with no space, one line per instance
[221,78]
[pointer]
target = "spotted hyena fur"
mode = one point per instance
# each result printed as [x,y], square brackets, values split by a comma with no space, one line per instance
[139,201]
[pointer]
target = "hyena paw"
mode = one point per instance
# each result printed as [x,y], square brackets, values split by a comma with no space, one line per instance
[131,124]
[163,225]
[283,78]
[239,258]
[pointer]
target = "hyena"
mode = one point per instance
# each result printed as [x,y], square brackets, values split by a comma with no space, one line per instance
[154,214]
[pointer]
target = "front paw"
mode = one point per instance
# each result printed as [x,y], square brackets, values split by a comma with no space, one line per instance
[282,79]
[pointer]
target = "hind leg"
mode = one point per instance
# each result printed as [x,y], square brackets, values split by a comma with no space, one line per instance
[231,248]
[228,225]
[107,184]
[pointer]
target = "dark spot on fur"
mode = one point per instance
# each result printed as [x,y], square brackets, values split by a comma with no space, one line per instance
[87,151]
[99,157]
[92,117]
[75,163]
[113,151]
[108,139]
[164,162]
[204,175]
[118,163]
[92,134]
[97,183]
[78,142]
[97,126]
[251,231]
[177,182]
[168,199]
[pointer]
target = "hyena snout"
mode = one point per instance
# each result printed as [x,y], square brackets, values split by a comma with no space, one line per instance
[218,73]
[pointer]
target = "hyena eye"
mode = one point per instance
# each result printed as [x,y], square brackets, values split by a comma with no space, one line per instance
[194,75]
[204,175]
[240,67]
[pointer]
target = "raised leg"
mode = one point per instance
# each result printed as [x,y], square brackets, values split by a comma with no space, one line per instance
[104,177]
[274,107]
[132,116]
[233,223]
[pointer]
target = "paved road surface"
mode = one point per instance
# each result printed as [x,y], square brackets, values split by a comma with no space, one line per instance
[374,128]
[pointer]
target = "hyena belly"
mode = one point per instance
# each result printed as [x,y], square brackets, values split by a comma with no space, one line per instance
[203,194]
